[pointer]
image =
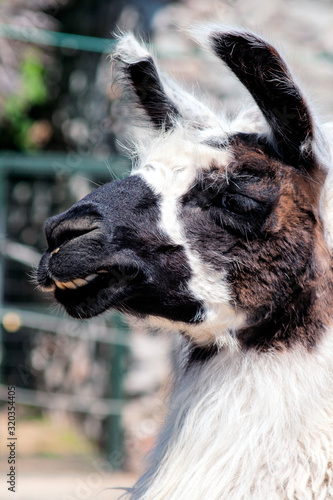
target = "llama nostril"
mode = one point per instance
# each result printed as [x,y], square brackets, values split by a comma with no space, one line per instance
[65,234]
[71,224]
[58,232]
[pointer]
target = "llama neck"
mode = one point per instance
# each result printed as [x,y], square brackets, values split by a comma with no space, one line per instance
[301,317]
[248,425]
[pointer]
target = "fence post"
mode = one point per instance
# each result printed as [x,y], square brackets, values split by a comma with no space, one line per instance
[3,220]
[115,435]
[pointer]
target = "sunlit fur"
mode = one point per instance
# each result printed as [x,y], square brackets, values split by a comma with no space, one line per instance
[241,426]
[254,426]
[170,167]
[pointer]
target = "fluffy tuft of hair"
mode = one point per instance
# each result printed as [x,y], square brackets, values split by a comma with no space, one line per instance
[129,50]
[224,436]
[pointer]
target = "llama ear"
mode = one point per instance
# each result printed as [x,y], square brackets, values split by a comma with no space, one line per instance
[162,100]
[140,73]
[263,72]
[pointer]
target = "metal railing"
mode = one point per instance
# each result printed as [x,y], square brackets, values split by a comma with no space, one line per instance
[111,330]
[56,39]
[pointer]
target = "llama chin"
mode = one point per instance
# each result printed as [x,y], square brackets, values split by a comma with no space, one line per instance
[223,232]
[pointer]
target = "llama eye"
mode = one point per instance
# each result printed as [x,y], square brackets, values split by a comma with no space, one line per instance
[238,203]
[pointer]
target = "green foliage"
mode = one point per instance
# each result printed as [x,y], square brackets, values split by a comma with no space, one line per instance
[33,92]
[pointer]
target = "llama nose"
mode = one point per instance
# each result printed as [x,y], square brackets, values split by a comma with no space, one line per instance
[61,229]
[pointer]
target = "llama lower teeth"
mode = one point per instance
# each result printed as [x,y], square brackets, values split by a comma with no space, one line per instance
[76,283]
[91,277]
[66,285]
[60,285]
[70,285]
[80,282]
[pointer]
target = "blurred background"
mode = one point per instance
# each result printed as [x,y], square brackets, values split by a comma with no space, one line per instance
[89,395]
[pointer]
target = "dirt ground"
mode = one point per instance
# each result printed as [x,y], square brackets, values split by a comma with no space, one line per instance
[50,479]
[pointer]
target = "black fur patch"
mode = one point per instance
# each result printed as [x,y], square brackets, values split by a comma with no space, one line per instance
[152,97]
[260,225]
[115,229]
[273,327]
[201,354]
[263,72]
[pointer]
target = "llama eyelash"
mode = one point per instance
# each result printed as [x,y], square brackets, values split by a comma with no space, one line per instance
[247,283]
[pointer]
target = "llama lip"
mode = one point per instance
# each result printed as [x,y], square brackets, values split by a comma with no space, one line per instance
[103,290]
[71,284]
[75,283]
[112,276]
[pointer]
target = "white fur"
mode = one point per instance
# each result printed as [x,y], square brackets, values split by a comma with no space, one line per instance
[248,426]
[130,50]
[170,168]
[170,162]
[202,33]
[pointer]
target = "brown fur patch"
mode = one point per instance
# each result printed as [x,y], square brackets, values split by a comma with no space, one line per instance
[275,256]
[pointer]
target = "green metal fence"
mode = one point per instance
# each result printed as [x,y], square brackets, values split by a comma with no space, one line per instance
[48,166]
[34,316]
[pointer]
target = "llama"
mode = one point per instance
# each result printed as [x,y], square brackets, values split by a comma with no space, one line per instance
[223,232]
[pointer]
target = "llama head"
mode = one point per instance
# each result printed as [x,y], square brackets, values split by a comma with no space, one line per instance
[218,230]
